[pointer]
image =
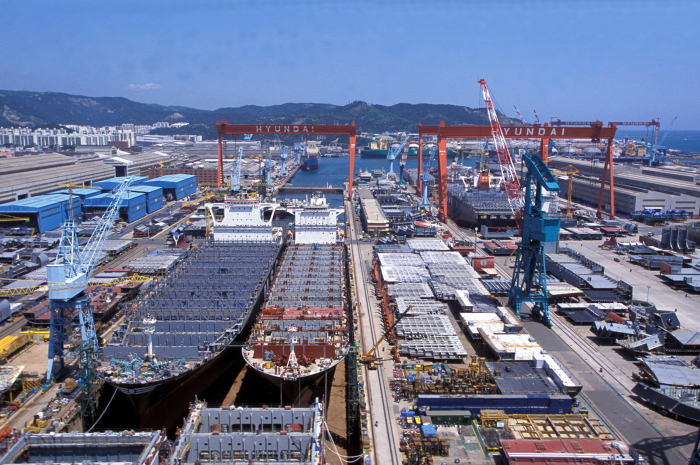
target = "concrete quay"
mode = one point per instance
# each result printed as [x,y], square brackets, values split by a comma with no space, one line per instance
[384,437]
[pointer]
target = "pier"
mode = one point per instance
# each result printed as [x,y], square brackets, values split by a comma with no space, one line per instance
[305,190]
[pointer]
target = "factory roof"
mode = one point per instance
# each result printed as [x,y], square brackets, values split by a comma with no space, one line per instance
[145,188]
[32,204]
[174,177]
[511,346]
[80,191]
[574,452]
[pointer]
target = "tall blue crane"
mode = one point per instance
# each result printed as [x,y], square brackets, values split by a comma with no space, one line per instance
[392,153]
[654,149]
[299,149]
[529,283]
[402,166]
[267,165]
[68,279]
[425,178]
[282,149]
[236,172]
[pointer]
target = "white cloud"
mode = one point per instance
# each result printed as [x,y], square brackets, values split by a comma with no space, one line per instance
[146,86]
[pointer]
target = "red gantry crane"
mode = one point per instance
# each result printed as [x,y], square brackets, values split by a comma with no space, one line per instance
[510,176]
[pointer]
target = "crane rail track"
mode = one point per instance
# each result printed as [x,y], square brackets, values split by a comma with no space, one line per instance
[387,423]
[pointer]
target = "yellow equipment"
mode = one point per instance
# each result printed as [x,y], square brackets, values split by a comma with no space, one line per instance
[12,218]
[369,357]
[207,219]
[161,164]
[570,170]
[44,288]
[70,187]
[207,195]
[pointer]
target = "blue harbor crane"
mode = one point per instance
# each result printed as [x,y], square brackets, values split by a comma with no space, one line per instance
[236,172]
[267,165]
[68,280]
[425,178]
[402,166]
[299,149]
[282,149]
[654,149]
[529,283]
[392,153]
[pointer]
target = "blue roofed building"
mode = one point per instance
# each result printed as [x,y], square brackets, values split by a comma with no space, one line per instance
[154,196]
[175,186]
[45,212]
[132,208]
[113,183]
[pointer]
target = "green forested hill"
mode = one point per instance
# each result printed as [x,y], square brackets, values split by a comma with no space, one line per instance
[30,109]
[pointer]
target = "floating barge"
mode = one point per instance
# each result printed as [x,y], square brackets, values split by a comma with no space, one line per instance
[177,334]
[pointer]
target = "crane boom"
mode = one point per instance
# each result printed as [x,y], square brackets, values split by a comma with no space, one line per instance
[510,176]
[520,115]
[392,153]
[369,356]
[94,247]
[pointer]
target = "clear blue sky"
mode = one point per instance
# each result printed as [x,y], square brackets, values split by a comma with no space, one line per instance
[610,60]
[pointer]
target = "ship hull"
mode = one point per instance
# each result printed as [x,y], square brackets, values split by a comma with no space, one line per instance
[466,213]
[310,164]
[164,404]
[296,391]
[161,403]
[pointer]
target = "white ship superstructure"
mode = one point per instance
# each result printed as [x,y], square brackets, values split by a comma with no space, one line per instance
[242,220]
[316,222]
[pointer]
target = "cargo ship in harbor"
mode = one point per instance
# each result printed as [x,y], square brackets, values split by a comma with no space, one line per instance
[412,153]
[301,333]
[310,163]
[478,201]
[177,337]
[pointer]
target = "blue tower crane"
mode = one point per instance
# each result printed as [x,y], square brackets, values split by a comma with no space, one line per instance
[267,166]
[299,149]
[236,172]
[402,166]
[653,150]
[283,156]
[529,283]
[425,177]
[392,153]
[72,268]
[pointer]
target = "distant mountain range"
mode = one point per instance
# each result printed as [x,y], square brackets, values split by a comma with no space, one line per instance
[36,109]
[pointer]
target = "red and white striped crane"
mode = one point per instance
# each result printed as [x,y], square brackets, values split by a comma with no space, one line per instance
[510,176]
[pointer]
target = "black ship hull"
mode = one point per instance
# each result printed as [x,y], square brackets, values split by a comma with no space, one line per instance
[466,213]
[164,403]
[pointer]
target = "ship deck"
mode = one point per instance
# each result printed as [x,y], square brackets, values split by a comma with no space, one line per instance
[195,312]
[305,314]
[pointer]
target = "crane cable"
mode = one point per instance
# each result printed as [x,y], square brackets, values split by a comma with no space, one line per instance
[104,411]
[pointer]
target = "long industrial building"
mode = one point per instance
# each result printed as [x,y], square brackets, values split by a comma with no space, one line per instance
[32,175]
[636,188]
